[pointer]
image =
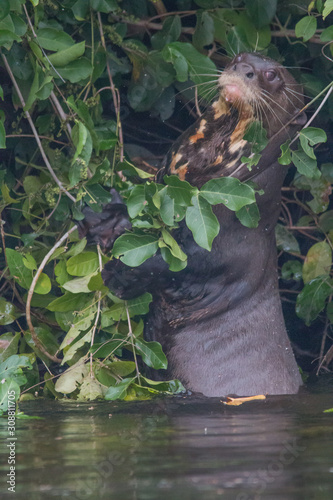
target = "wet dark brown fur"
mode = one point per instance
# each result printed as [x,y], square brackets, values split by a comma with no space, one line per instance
[220,320]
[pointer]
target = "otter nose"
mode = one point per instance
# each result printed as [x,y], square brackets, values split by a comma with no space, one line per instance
[244,69]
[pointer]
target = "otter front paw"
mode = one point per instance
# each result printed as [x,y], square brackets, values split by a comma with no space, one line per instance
[105,227]
[126,282]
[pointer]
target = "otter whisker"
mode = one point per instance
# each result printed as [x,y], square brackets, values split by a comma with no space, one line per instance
[266,94]
[290,100]
[296,94]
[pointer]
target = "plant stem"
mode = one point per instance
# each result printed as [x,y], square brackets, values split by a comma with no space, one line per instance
[31,291]
[34,130]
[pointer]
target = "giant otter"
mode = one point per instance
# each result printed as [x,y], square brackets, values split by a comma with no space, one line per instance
[220,320]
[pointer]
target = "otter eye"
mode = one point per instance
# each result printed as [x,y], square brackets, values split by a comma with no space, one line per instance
[270,75]
[250,74]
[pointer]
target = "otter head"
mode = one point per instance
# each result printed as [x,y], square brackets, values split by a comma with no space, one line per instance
[261,88]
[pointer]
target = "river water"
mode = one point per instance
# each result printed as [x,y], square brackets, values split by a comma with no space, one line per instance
[185,447]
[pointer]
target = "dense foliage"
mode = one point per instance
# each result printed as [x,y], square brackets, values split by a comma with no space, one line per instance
[84,83]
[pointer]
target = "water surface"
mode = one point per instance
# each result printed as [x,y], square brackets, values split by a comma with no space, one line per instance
[182,448]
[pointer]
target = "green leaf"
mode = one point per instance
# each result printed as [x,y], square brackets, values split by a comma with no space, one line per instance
[320,189]
[292,269]
[7,24]
[29,262]
[68,55]
[285,158]
[7,38]
[96,284]
[4,9]
[54,39]
[71,378]
[134,249]
[178,61]
[168,386]
[77,248]
[306,28]
[119,391]
[305,165]
[105,6]
[309,137]
[68,302]
[257,136]
[8,344]
[152,354]
[20,26]
[328,8]
[261,12]
[96,196]
[13,365]
[229,191]
[9,387]
[285,240]
[137,306]
[170,211]
[131,170]
[175,264]
[33,89]
[173,246]
[122,368]
[136,201]
[47,338]
[249,215]
[79,285]
[17,268]
[318,261]
[80,9]
[6,196]
[312,299]
[327,34]
[204,30]
[8,312]
[43,285]
[45,89]
[105,349]
[90,389]
[61,273]
[75,71]
[81,323]
[2,136]
[83,142]
[169,33]
[188,61]
[76,346]
[82,264]
[202,222]
[180,191]
[32,184]
[79,136]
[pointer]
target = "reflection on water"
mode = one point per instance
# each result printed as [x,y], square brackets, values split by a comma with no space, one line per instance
[175,448]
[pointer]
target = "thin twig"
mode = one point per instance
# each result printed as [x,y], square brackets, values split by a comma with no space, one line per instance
[61,112]
[130,332]
[51,139]
[114,90]
[34,131]
[3,238]
[159,6]
[323,342]
[31,291]
[99,297]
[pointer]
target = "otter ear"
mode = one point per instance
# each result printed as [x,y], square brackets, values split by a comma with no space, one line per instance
[300,119]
